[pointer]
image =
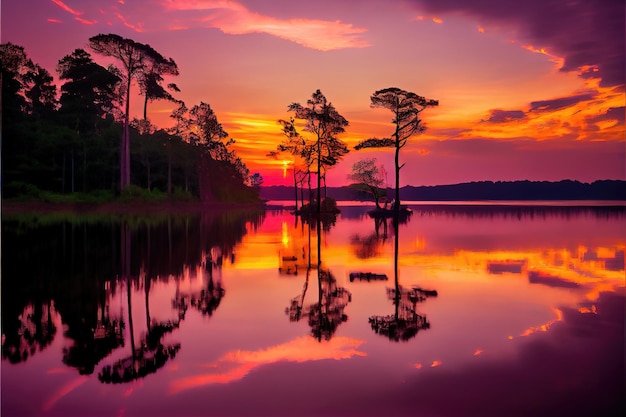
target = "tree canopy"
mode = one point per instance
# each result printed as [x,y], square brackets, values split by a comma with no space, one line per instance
[406,107]
[137,60]
[325,123]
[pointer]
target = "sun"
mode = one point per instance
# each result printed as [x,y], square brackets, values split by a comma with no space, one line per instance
[285,165]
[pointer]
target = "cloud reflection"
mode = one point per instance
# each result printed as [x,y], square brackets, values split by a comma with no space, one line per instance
[237,364]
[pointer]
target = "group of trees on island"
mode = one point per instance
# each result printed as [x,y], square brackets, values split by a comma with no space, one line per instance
[83,139]
[323,122]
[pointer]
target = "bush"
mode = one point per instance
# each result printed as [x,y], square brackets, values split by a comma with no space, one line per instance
[20,190]
[136,193]
[181,195]
[329,205]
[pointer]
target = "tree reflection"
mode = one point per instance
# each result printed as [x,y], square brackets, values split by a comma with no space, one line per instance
[207,299]
[365,247]
[324,316]
[405,323]
[92,344]
[82,262]
[327,314]
[31,332]
[151,354]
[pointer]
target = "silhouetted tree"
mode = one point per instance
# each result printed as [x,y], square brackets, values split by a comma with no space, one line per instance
[325,123]
[88,93]
[14,65]
[208,131]
[135,59]
[87,99]
[40,92]
[370,176]
[406,108]
[150,81]
[295,145]
[256,180]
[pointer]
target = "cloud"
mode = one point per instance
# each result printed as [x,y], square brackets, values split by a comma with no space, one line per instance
[588,35]
[235,365]
[233,18]
[66,7]
[203,5]
[561,102]
[612,114]
[502,116]
[85,21]
[137,28]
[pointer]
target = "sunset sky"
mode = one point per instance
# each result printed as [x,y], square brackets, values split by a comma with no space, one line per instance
[529,89]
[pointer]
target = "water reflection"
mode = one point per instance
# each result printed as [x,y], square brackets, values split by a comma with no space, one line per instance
[82,269]
[30,332]
[325,315]
[205,300]
[91,307]
[151,354]
[405,322]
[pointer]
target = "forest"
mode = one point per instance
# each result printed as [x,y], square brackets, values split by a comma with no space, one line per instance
[76,141]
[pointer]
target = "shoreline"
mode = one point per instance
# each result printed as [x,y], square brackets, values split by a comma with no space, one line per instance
[119,207]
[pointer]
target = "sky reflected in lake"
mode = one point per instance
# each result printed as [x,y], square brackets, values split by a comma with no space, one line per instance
[506,310]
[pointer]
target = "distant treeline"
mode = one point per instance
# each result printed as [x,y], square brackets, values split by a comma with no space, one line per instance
[478,191]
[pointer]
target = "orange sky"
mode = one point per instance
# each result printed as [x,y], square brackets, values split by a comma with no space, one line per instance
[527,90]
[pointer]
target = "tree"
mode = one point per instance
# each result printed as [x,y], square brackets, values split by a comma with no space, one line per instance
[136,59]
[209,131]
[87,98]
[325,123]
[14,65]
[294,144]
[365,173]
[221,173]
[179,114]
[406,108]
[256,180]
[40,92]
[89,93]
[150,83]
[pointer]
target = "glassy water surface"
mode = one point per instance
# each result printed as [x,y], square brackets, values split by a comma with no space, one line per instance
[457,310]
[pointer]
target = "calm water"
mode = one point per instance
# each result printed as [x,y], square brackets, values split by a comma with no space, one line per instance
[488,311]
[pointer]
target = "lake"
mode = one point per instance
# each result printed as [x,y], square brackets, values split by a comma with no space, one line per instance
[455,310]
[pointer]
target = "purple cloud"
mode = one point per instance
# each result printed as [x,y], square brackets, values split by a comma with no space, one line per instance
[613,113]
[501,116]
[559,103]
[589,35]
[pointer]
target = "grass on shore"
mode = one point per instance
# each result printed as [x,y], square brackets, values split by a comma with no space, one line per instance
[132,194]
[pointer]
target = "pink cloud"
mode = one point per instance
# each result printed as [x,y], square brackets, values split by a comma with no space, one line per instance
[66,7]
[51,20]
[137,28]
[63,391]
[233,18]
[204,5]
[235,365]
[85,21]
